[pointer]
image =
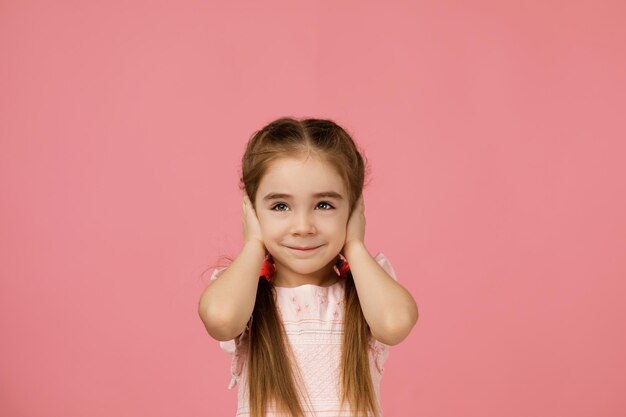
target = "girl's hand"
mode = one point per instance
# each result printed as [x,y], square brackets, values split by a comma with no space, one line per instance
[356,225]
[250,223]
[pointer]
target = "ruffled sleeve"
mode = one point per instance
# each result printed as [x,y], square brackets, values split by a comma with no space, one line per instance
[385,264]
[236,348]
[378,349]
[216,272]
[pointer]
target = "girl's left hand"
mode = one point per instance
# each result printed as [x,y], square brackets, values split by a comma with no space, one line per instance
[356,225]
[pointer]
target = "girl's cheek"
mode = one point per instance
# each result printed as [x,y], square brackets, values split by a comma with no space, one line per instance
[264,220]
[268,226]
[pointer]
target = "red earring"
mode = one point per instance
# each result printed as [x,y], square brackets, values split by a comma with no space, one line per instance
[267,269]
[343,268]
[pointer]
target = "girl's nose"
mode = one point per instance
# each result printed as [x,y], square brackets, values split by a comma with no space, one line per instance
[302,224]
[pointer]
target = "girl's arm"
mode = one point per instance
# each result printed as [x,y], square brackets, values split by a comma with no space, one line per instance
[227,303]
[389,309]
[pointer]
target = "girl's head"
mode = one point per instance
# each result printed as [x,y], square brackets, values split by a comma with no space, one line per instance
[299,139]
[303,178]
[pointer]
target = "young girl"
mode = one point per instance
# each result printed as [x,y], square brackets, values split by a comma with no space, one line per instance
[306,312]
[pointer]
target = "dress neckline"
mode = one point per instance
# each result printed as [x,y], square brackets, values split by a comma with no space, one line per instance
[338,282]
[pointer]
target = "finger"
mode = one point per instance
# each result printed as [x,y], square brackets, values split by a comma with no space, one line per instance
[246,201]
[359,204]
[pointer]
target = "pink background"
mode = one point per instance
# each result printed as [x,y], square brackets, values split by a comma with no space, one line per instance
[495,133]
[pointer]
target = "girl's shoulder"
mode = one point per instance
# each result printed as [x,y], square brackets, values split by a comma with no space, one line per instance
[382,260]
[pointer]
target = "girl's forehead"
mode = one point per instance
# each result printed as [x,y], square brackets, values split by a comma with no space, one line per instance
[301,176]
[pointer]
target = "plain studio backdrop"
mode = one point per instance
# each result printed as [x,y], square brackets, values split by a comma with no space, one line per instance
[495,135]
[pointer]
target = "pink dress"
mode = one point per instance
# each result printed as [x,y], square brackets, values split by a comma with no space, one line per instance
[313,320]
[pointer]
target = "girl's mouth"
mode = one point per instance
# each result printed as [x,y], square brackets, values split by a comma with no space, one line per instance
[304,249]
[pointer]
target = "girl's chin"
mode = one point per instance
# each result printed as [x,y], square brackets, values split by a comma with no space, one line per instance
[303,266]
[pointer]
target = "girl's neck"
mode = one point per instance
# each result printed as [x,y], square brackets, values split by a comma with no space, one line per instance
[325,277]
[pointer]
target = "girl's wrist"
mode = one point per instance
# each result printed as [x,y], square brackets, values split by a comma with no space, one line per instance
[353,247]
[255,245]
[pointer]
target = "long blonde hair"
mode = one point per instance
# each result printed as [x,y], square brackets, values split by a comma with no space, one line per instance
[271,375]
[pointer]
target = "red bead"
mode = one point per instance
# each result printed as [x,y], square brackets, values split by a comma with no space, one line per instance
[267,270]
[344,268]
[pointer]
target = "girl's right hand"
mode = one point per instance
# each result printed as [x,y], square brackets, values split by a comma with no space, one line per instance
[251,226]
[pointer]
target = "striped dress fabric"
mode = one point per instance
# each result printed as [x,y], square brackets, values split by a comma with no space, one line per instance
[313,318]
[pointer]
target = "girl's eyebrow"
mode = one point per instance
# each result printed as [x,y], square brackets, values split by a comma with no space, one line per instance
[325,194]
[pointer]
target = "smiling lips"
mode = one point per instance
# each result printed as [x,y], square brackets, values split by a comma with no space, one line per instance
[307,248]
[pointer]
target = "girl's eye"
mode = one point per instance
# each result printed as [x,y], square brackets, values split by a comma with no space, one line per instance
[330,207]
[279,205]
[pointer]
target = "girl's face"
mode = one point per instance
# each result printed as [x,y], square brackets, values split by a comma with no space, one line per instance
[302,203]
